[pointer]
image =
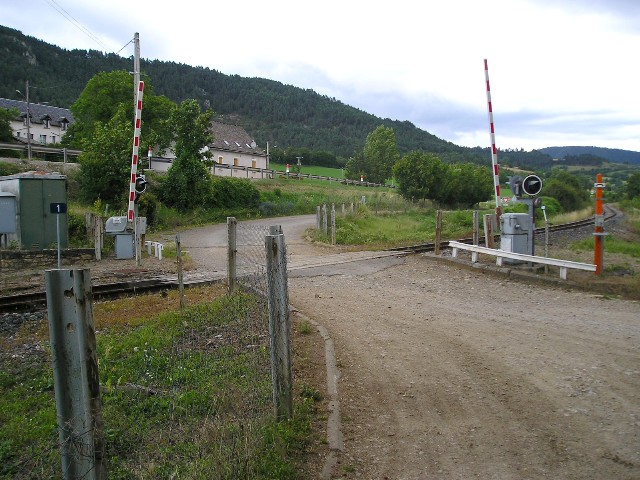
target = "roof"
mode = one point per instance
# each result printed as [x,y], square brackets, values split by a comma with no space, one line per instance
[39,112]
[35,174]
[232,138]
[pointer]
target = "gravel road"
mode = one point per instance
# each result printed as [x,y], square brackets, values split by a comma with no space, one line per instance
[456,374]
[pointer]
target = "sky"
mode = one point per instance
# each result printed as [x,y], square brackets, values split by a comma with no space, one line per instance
[562,72]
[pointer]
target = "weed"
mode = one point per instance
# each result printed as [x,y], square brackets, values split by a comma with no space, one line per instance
[305,327]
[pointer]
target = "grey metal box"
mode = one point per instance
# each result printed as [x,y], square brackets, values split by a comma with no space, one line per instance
[125,245]
[116,225]
[7,213]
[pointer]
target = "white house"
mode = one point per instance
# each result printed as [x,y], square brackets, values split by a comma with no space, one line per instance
[47,124]
[233,152]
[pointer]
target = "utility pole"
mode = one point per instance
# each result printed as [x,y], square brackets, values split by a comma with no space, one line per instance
[136,70]
[136,98]
[28,122]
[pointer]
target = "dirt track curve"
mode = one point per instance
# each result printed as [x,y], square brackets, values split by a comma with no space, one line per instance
[448,373]
[452,373]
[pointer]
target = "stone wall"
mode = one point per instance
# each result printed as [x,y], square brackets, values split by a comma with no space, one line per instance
[16,259]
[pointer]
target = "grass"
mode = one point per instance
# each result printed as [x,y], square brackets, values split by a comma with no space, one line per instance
[393,227]
[612,244]
[185,395]
[311,170]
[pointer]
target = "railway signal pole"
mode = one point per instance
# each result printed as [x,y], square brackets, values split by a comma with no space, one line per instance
[494,150]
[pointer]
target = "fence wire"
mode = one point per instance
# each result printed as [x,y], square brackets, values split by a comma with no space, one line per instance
[189,391]
[251,259]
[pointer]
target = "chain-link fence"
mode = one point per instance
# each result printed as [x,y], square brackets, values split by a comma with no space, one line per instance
[186,391]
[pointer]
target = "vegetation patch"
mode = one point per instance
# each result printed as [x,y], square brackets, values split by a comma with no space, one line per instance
[185,395]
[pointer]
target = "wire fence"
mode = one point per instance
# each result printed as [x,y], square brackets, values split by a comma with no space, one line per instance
[187,391]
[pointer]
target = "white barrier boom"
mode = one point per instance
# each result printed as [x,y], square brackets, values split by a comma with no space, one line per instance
[501,254]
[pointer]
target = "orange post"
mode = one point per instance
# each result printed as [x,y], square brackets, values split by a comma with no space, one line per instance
[598,234]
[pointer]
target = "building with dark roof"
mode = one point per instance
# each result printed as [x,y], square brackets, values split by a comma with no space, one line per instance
[233,152]
[47,124]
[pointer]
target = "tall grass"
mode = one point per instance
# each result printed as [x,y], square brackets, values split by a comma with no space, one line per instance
[399,227]
[185,395]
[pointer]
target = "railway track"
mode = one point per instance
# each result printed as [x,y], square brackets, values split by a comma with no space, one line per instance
[609,214]
[34,301]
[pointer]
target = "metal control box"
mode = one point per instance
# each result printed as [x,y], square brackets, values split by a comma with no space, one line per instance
[36,226]
[7,213]
[515,233]
[124,236]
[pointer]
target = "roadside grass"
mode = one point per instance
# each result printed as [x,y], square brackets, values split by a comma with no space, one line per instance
[185,394]
[612,244]
[572,216]
[396,228]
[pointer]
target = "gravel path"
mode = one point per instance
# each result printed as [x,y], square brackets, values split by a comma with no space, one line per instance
[456,374]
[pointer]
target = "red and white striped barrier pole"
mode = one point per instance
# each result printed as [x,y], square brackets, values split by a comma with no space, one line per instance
[494,150]
[134,156]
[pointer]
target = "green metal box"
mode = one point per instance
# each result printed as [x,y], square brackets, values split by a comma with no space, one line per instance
[34,193]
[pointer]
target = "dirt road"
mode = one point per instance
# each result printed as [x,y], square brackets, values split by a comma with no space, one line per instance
[448,373]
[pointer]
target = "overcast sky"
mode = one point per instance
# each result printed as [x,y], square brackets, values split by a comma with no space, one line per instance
[562,72]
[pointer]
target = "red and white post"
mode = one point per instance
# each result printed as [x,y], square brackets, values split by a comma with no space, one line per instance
[134,156]
[598,234]
[494,150]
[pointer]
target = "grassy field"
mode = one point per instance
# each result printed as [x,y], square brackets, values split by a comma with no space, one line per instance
[311,170]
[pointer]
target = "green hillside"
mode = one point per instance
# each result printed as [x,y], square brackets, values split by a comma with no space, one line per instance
[283,115]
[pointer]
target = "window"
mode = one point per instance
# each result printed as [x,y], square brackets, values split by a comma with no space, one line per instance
[220,159]
[47,122]
[43,139]
[235,162]
[63,125]
[253,164]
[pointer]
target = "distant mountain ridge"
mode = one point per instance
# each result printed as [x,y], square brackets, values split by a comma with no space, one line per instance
[614,155]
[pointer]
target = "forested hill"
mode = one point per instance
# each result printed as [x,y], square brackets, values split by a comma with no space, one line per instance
[613,155]
[269,110]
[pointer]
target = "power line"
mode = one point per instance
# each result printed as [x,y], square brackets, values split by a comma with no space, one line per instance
[58,8]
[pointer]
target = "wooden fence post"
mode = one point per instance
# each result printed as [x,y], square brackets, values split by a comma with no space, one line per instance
[279,326]
[180,274]
[98,237]
[333,224]
[75,374]
[318,218]
[232,252]
[438,232]
[476,234]
[325,226]
[488,230]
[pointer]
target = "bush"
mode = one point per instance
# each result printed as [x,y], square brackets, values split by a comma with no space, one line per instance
[77,229]
[148,207]
[227,192]
[9,169]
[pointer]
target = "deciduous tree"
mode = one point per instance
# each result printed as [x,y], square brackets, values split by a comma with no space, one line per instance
[188,183]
